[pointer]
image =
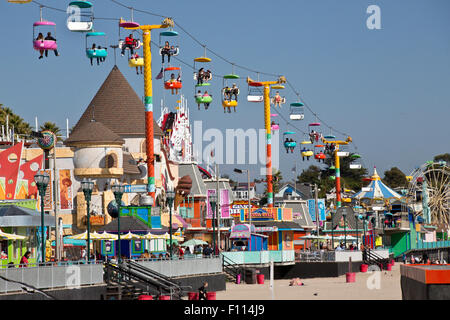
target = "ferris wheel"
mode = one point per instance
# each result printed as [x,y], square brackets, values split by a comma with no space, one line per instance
[429,192]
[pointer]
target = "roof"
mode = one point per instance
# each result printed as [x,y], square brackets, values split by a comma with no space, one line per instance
[130,164]
[127,224]
[303,191]
[378,189]
[300,212]
[14,216]
[278,224]
[190,169]
[118,107]
[93,132]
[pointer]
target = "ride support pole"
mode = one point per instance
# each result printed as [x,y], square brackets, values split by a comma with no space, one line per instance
[149,113]
[338,177]
[268,145]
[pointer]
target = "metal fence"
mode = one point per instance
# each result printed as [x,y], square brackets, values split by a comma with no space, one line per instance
[328,256]
[260,257]
[184,267]
[50,276]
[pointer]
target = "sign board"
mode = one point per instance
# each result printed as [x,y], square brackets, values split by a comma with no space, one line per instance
[209,213]
[266,229]
[135,188]
[240,231]
[97,220]
[65,190]
[235,210]
[320,207]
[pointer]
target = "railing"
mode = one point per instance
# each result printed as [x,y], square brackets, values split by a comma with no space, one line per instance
[433,245]
[260,257]
[50,276]
[183,267]
[229,267]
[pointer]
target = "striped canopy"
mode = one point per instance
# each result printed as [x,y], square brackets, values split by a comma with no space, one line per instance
[378,190]
[9,236]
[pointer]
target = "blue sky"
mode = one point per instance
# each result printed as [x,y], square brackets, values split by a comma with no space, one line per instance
[388,88]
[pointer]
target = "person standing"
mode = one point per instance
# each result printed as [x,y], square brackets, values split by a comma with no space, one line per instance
[202,291]
[24,260]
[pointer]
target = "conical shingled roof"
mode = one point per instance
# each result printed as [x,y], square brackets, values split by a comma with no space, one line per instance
[93,132]
[117,106]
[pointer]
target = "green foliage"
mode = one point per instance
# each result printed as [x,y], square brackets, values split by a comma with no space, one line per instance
[443,157]
[395,178]
[21,127]
[50,126]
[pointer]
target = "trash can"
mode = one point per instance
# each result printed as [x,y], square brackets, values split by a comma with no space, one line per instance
[250,276]
[192,295]
[211,295]
[145,297]
[164,297]
[238,278]
[392,261]
[260,278]
[389,267]
[364,267]
[350,277]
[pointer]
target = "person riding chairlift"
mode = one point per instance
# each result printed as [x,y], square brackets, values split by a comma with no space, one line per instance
[50,38]
[136,57]
[277,99]
[98,59]
[130,43]
[312,136]
[206,94]
[166,51]
[200,76]
[172,80]
[234,92]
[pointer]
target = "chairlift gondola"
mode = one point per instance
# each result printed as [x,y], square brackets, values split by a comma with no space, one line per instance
[39,41]
[289,143]
[172,83]
[297,111]
[230,92]
[255,93]
[168,49]
[274,126]
[83,20]
[97,51]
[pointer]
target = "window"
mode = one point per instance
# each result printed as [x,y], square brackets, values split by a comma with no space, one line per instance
[111,161]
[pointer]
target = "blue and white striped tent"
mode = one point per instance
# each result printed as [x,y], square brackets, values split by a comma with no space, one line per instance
[378,190]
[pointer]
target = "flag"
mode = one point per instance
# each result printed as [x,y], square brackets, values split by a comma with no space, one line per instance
[28,171]
[160,75]
[9,170]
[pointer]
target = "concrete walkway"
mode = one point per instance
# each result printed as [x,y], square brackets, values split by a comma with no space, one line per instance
[387,288]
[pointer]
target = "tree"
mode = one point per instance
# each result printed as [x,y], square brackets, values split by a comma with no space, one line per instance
[395,178]
[50,126]
[277,180]
[21,127]
[443,157]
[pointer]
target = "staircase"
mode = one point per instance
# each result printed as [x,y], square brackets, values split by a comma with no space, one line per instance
[230,269]
[371,258]
[129,280]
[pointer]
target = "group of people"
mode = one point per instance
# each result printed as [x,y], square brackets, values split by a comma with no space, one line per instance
[49,37]
[168,51]
[329,148]
[99,59]
[307,156]
[228,92]
[314,136]
[422,260]
[351,247]
[130,43]
[201,95]
[289,144]
[203,76]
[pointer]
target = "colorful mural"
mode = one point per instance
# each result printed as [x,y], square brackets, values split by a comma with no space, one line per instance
[9,171]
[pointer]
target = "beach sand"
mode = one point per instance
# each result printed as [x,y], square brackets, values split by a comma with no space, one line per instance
[325,288]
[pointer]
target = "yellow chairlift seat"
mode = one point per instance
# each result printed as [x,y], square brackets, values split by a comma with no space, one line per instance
[139,62]
[202,59]
[277,87]
[305,142]
[229,103]
[308,153]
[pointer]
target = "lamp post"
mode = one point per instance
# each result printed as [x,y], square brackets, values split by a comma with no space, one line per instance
[248,193]
[170,198]
[118,191]
[344,213]
[87,186]
[213,201]
[42,179]
[357,233]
